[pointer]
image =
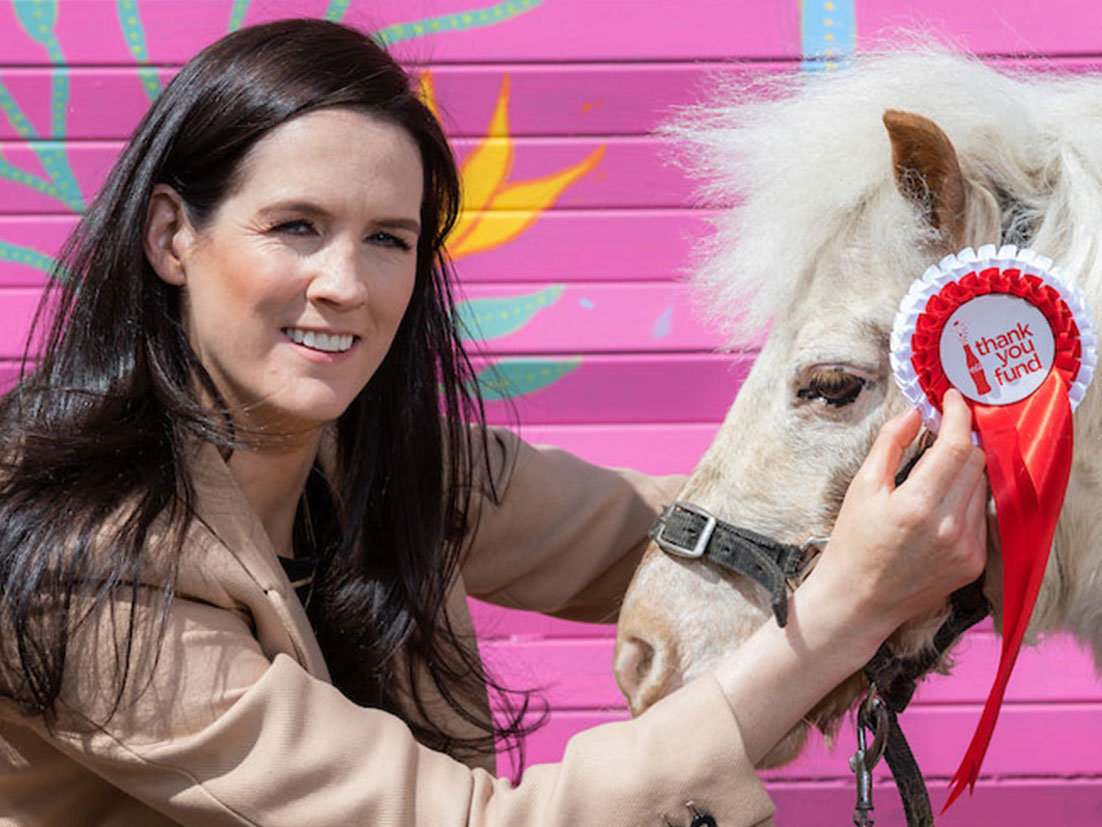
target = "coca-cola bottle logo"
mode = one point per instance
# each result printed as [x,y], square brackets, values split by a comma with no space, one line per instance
[975,367]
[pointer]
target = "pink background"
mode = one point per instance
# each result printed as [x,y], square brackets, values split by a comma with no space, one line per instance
[647,389]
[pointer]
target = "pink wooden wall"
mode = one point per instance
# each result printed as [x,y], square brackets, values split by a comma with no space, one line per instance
[572,262]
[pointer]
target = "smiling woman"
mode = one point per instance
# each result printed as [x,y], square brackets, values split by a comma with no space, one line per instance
[249,485]
[294,287]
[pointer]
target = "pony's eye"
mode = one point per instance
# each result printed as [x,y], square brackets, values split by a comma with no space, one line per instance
[834,386]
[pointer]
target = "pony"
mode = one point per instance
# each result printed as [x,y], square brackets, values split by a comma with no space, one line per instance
[846,185]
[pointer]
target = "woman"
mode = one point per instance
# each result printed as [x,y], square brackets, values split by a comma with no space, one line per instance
[253,370]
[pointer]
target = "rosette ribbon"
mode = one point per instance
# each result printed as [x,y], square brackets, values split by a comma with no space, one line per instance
[1028,443]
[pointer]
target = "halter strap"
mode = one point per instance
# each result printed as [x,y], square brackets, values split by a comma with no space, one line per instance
[687,530]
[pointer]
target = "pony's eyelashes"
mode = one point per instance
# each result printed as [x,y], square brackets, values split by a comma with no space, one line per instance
[831,386]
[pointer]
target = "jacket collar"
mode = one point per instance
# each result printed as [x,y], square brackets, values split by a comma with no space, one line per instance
[222,507]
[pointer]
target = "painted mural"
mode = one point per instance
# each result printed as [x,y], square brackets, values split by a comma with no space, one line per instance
[575,237]
[496,208]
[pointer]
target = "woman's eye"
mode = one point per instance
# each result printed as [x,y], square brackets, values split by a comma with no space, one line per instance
[389,240]
[294,228]
[833,386]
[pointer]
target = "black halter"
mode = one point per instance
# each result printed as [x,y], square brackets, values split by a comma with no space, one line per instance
[689,531]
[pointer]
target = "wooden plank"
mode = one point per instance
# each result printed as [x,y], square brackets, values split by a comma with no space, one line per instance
[655,448]
[631,172]
[596,389]
[90,31]
[989,27]
[598,99]
[587,318]
[939,735]
[507,319]
[621,388]
[594,246]
[544,100]
[495,623]
[560,246]
[1057,670]
[17,309]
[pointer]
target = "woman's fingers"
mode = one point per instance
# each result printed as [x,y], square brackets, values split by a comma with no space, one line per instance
[968,480]
[951,452]
[895,435]
[975,517]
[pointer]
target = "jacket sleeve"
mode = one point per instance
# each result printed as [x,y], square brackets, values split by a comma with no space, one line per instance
[556,534]
[221,735]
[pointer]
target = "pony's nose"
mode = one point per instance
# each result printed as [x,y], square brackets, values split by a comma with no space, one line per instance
[644,671]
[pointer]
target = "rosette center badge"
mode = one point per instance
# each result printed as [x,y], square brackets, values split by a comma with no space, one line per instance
[997,349]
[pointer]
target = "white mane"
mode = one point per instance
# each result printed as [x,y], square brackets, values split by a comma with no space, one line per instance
[805,154]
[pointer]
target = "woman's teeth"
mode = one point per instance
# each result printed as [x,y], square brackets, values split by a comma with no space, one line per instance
[330,343]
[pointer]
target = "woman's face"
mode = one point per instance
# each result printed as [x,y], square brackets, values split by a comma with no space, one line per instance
[294,289]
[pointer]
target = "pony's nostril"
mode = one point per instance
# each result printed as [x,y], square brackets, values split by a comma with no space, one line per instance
[635,671]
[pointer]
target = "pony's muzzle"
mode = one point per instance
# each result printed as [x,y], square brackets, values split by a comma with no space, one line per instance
[645,670]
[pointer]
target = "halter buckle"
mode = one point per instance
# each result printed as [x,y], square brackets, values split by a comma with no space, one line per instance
[671,546]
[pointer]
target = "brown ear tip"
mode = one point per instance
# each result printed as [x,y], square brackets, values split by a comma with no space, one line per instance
[894,118]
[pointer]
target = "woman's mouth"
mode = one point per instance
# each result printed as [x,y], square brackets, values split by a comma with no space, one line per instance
[316,340]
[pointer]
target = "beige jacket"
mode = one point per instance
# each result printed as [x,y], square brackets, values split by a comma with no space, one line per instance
[239,724]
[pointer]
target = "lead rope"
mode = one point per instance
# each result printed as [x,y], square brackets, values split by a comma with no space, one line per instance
[897,679]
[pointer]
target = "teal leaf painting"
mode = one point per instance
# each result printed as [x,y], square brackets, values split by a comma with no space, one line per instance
[27,256]
[134,34]
[336,10]
[14,114]
[237,14]
[13,173]
[37,17]
[511,378]
[55,160]
[452,22]
[493,318]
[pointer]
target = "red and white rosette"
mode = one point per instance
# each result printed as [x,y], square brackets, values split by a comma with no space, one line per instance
[1016,339]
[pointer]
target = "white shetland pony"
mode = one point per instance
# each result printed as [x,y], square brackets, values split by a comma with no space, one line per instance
[852,183]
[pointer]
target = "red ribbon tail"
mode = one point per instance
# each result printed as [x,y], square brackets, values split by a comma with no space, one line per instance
[1029,449]
[969,768]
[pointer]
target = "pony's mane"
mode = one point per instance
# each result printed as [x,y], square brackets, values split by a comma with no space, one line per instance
[801,155]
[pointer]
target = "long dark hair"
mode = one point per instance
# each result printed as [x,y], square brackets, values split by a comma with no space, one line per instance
[98,429]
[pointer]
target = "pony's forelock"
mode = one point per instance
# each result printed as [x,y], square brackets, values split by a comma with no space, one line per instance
[806,161]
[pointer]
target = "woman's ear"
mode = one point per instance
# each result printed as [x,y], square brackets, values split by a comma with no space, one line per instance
[168,234]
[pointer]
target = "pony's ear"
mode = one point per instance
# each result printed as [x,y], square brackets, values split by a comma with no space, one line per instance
[927,172]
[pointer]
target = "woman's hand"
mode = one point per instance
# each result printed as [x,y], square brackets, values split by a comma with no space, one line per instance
[897,552]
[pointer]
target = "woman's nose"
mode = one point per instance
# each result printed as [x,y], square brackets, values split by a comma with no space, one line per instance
[340,280]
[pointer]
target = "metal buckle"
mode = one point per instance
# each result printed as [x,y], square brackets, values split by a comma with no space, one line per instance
[671,547]
[814,542]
